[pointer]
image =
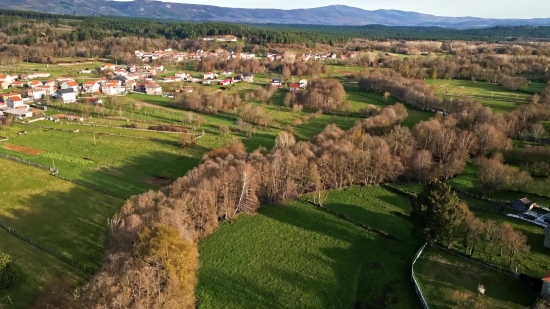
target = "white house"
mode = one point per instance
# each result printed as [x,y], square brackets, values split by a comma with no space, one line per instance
[110,89]
[153,89]
[90,87]
[303,83]
[130,84]
[41,75]
[159,67]
[209,75]
[17,84]
[36,94]
[276,82]
[21,113]
[121,72]
[183,76]
[70,85]
[66,95]
[108,67]
[6,78]
[172,79]
[34,83]
[14,102]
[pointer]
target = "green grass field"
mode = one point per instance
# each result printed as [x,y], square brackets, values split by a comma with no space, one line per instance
[297,256]
[448,281]
[65,217]
[499,99]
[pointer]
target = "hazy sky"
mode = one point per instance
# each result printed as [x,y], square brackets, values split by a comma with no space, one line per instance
[478,8]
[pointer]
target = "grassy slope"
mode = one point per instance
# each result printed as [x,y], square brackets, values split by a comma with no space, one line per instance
[441,274]
[68,218]
[38,269]
[296,256]
[65,217]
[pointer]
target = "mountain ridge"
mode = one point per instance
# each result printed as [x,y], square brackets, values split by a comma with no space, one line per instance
[337,15]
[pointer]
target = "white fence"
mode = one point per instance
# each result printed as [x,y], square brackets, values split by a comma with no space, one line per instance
[415,283]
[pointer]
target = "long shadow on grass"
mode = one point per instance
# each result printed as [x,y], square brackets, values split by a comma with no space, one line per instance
[441,270]
[364,249]
[71,221]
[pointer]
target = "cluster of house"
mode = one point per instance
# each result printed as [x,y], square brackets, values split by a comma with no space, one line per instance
[292,87]
[178,56]
[326,56]
[16,81]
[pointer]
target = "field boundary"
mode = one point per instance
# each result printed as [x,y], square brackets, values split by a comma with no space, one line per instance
[90,187]
[413,279]
[54,172]
[60,256]
[360,224]
[490,266]
[15,159]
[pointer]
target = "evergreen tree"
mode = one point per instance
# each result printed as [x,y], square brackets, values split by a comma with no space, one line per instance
[436,212]
[9,271]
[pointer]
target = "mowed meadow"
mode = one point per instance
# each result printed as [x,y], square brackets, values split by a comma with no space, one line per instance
[295,255]
[64,217]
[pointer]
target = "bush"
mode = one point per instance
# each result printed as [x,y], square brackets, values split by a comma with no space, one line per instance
[186,140]
[9,271]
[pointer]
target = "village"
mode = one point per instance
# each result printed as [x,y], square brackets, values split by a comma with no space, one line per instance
[117,80]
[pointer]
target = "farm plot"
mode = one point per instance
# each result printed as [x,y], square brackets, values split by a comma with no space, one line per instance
[67,218]
[115,164]
[497,97]
[448,281]
[22,149]
[297,256]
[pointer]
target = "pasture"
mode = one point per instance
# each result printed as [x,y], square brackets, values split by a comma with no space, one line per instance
[498,98]
[295,255]
[448,281]
[65,217]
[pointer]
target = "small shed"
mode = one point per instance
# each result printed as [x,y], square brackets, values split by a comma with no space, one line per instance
[523,204]
[545,292]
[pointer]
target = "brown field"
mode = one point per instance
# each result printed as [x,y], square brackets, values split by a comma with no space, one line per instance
[23,149]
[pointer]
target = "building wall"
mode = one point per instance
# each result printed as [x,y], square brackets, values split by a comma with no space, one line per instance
[547,237]
[545,292]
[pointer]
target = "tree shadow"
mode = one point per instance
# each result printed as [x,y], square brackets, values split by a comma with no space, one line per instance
[440,270]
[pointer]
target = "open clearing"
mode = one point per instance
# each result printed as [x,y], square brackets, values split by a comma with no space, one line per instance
[497,97]
[22,149]
[67,218]
[298,256]
[448,281]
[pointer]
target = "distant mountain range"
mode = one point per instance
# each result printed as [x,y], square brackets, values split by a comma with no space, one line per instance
[328,15]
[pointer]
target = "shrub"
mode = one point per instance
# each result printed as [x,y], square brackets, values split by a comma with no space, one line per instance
[186,140]
[9,271]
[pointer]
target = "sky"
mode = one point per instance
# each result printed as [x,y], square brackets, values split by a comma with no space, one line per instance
[477,8]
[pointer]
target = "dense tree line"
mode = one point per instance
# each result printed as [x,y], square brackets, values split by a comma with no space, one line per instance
[438,215]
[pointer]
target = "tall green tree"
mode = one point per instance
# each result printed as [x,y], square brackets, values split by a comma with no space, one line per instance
[9,271]
[436,213]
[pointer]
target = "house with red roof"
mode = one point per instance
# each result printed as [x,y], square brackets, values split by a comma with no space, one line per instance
[17,84]
[90,87]
[226,82]
[33,83]
[70,84]
[36,94]
[294,87]
[15,102]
